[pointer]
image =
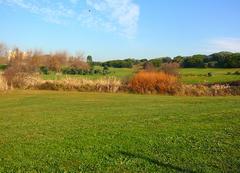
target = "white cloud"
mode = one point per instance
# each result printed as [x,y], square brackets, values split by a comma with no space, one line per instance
[119,16]
[55,13]
[90,20]
[225,44]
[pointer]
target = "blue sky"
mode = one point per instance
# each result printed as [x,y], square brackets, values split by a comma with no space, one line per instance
[114,29]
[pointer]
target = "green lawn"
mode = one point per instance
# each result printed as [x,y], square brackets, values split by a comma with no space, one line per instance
[189,75]
[44,131]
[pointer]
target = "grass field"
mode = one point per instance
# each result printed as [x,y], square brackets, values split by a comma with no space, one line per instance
[189,75]
[120,73]
[43,131]
[199,75]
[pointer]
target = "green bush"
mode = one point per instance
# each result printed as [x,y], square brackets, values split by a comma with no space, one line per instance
[44,70]
[237,72]
[229,73]
[210,74]
[3,67]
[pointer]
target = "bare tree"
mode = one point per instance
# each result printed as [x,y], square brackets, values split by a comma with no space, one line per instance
[170,68]
[57,61]
[148,66]
[78,63]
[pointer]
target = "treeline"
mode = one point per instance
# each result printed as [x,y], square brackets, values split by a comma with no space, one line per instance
[79,65]
[216,60]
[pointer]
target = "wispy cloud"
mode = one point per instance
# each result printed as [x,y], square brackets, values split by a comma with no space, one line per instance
[123,15]
[56,13]
[119,16]
[224,44]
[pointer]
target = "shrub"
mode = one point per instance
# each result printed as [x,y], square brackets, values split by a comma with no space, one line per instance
[16,70]
[154,82]
[24,81]
[148,66]
[44,70]
[97,71]
[78,63]
[229,73]
[213,90]
[210,74]
[3,66]
[105,70]
[237,72]
[170,68]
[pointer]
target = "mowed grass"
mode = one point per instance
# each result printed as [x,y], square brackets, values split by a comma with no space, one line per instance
[188,75]
[43,131]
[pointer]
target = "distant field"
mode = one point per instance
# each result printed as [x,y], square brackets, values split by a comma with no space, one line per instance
[120,73]
[43,131]
[199,75]
[189,75]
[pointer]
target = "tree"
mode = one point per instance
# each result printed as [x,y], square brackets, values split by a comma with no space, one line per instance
[166,60]
[178,59]
[148,66]
[225,59]
[194,61]
[119,64]
[77,63]
[234,61]
[57,61]
[89,59]
[170,68]
[156,62]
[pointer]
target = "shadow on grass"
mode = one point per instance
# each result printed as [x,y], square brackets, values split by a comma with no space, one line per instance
[156,162]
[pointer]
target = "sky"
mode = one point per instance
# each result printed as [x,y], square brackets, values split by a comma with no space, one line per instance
[117,29]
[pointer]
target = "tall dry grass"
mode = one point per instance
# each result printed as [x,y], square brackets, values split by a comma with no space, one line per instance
[143,82]
[3,84]
[212,90]
[31,81]
[154,82]
[70,84]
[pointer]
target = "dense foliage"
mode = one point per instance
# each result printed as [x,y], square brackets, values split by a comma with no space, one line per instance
[216,60]
[127,63]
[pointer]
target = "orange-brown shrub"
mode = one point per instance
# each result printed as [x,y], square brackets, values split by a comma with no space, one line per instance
[154,82]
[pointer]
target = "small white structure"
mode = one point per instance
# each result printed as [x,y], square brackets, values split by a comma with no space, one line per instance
[12,54]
